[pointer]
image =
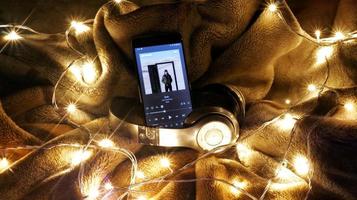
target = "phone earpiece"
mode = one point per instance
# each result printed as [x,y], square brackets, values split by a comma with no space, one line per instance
[213,122]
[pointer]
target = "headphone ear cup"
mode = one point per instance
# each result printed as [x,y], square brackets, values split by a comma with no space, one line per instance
[214,126]
[217,130]
[227,97]
[203,112]
[238,96]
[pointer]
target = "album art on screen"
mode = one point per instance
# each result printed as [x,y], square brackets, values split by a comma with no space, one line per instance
[162,74]
[164,84]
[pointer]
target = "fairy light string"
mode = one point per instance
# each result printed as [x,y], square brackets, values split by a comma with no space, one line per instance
[288,122]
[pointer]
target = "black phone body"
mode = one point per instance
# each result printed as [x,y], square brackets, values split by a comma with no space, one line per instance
[163,80]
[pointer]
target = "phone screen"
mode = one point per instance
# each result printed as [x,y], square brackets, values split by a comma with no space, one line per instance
[164,85]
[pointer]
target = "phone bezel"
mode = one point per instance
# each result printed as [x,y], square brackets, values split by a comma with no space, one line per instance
[152,40]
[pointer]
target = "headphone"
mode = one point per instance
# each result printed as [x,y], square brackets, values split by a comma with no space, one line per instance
[214,121]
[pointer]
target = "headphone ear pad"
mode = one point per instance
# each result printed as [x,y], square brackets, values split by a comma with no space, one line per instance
[202,112]
[223,96]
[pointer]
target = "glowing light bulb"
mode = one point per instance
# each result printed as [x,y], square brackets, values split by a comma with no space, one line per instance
[318,34]
[71,108]
[287,101]
[283,173]
[93,194]
[349,106]
[86,72]
[118,1]
[244,152]
[89,72]
[165,162]
[311,88]
[142,198]
[238,185]
[79,27]
[286,185]
[272,7]
[108,186]
[76,71]
[12,36]
[140,175]
[79,156]
[91,188]
[301,165]
[4,164]
[106,143]
[339,36]
[286,122]
[323,53]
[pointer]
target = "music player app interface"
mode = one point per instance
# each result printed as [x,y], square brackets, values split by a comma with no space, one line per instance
[164,85]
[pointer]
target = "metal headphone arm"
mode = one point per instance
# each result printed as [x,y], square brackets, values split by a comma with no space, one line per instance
[185,137]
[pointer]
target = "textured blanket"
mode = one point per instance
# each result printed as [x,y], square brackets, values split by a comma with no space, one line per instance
[298,140]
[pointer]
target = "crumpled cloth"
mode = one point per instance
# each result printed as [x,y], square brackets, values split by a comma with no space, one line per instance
[237,42]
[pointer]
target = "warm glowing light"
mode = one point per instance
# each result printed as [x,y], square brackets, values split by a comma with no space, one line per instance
[108,186]
[237,186]
[89,72]
[301,165]
[76,71]
[86,72]
[4,164]
[349,106]
[272,7]
[318,34]
[91,189]
[140,175]
[93,194]
[323,53]
[339,36]
[286,122]
[79,27]
[287,185]
[244,152]
[142,198]
[284,173]
[165,162]
[311,88]
[287,101]
[12,36]
[118,1]
[106,143]
[79,156]
[71,108]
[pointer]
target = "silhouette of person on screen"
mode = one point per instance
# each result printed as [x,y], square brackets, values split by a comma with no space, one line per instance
[167,80]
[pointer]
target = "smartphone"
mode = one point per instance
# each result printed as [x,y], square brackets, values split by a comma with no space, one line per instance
[163,81]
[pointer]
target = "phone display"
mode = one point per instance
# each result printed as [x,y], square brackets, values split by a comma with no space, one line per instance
[164,86]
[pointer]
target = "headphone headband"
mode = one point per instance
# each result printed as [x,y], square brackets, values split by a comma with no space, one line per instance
[207,127]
